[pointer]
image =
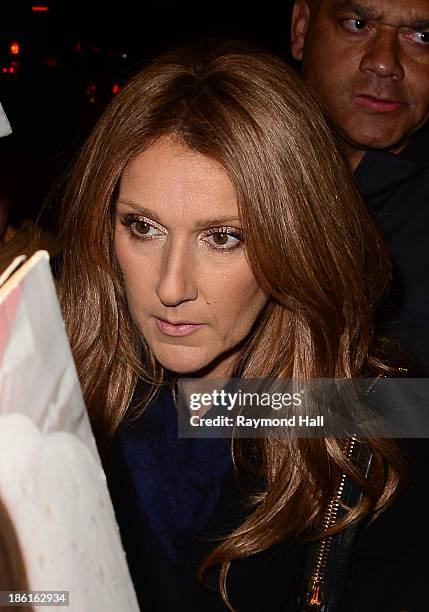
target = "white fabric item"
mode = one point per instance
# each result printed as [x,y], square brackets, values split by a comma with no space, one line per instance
[51,479]
[37,372]
[64,518]
[5,128]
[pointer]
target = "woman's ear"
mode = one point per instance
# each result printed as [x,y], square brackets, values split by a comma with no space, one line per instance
[299,25]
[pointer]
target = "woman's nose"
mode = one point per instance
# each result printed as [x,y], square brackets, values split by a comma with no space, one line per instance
[176,282]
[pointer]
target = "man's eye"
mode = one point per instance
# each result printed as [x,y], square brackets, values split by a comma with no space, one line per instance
[354,25]
[421,38]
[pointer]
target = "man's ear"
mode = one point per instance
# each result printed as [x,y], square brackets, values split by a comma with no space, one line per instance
[299,26]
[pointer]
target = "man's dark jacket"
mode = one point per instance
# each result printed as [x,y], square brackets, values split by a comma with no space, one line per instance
[396,190]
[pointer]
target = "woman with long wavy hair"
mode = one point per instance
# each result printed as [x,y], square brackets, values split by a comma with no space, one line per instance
[211,229]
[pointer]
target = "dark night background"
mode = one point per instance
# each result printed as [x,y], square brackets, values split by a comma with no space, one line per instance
[70,58]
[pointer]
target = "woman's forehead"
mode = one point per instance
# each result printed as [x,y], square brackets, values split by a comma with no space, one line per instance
[173,181]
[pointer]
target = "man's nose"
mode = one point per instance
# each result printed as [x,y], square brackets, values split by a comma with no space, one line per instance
[176,282]
[382,55]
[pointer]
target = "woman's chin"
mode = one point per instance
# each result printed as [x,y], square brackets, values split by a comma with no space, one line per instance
[196,368]
[183,365]
[196,361]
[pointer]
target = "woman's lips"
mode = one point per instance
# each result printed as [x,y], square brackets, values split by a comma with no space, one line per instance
[181,328]
[378,104]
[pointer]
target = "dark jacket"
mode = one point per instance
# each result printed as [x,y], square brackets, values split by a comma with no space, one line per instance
[396,190]
[379,567]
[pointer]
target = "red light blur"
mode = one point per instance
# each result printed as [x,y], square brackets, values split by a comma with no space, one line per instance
[14,48]
[39,8]
[11,70]
[115,88]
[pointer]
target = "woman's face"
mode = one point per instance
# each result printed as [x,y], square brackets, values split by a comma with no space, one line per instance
[179,245]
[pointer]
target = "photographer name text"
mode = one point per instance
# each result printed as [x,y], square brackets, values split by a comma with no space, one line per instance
[256,423]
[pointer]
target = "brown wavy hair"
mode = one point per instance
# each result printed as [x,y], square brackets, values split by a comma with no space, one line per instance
[311,244]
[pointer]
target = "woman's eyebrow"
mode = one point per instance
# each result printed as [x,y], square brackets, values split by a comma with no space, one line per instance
[219,221]
[140,209]
[202,223]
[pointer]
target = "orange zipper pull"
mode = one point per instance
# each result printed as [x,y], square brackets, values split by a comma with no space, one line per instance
[315,599]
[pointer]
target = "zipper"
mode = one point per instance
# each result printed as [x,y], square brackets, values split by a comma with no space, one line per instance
[314,599]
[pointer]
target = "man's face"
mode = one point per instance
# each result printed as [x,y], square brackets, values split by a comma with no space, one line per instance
[368,62]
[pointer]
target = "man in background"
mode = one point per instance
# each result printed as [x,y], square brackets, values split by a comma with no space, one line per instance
[368,63]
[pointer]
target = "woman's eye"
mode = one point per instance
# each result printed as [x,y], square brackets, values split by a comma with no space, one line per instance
[224,239]
[140,227]
[143,228]
[354,25]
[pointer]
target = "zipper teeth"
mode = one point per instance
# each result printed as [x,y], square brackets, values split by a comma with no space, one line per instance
[329,520]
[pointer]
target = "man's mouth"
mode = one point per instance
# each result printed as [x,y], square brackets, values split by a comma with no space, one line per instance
[379,105]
